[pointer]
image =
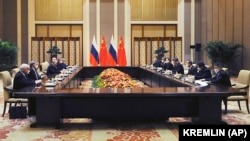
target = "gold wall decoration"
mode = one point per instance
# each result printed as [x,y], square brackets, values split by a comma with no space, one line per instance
[59,10]
[154,10]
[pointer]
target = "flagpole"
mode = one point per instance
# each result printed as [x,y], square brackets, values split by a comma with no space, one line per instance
[115,22]
[98,23]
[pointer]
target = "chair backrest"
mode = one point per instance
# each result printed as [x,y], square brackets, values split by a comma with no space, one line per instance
[14,71]
[7,81]
[6,77]
[44,66]
[244,77]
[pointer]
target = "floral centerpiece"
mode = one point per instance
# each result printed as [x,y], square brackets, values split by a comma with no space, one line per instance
[114,78]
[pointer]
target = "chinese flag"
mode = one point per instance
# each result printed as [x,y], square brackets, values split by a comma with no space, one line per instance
[103,53]
[122,61]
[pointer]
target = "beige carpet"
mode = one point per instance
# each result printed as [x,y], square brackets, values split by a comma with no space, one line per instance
[88,130]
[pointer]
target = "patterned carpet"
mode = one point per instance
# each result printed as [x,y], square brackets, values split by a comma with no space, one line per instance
[88,130]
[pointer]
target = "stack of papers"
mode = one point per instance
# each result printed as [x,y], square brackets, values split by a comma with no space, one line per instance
[49,84]
[200,83]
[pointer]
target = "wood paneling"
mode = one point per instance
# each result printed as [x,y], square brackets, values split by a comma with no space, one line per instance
[209,20]
[246,33]
[204,21]
[238,21]
[215,20]
[42,31]
[59,31]
[222,20]
[229,20]
[58,10]
[154,10]
[153,31]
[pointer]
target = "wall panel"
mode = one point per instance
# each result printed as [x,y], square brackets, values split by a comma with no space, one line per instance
[229,20]
[58,10]
[59,31]
[209,20]
[246,33]
[238,21]
[215,20]
[171,31]
[222,20]
[42,31]
[154,10]
[204,21]
[153,31]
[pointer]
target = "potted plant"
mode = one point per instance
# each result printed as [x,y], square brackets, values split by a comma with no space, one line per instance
[223,52]
[8,55]
[54,51]
[160,52]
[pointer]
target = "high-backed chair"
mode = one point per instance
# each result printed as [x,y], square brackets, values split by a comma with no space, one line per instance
[242,82]
[8,88]
[44,66]
[14,71]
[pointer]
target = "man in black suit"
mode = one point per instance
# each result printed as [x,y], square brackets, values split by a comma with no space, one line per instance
[192,70]
[53,68]
[221,77]
[202,72]
[167,65]
[156,62]
[22,80]
[62,63]
[178,68]
[33,71]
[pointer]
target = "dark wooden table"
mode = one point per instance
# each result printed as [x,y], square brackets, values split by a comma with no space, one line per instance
[166,97]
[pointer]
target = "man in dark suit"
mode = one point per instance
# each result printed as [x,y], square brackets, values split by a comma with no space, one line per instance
[33,71]
[53,69]
[22,80]
[167,65]
[202,72]
[221,77]
[192,70]
[156,62]
[62,63]
[178,68]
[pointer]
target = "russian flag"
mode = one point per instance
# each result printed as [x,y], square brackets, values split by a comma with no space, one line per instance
[94,57]
[112,53]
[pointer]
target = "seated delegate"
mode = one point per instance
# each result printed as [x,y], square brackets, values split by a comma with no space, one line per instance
[202,72]
[177,66]
[53,69]
[156,62]
[167,65]
[221,77]
[62,64]
[22,78]
[192,70]
[33,71]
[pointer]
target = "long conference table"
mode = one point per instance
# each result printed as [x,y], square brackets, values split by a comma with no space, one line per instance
[165,97]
